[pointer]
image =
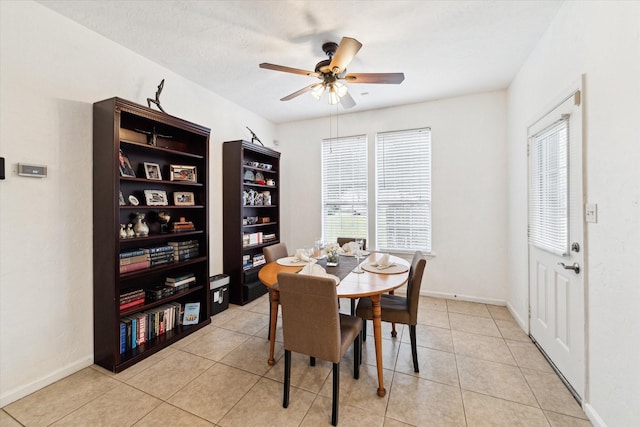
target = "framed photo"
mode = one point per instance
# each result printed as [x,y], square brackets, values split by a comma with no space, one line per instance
[183,198]
[125,165]
[156,197]
[183,173]
[152,170]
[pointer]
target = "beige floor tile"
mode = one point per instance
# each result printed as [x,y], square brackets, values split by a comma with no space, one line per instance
[390,349]
[390,422]
[170,374]
[262,407]
[259,305]
[431,303]
[474,324]
[7,421]
[386,330]
[422,402]
[560,420]
[303,375]
[500,312]
[320,414]
[252,355]
[216,344]
[483,410]
[264,332]
[121,406]
[225,316]
[552,394]
[432,337]
[248,323]
[361,393]
[167,415]
[215,392]
[139,367]
[494,379]
[434,365]
[509,329]
[57,400]
[482,347]
[465,307]
[527,355]
[433,318]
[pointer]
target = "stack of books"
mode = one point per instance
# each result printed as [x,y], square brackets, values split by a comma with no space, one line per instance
[132,299]
[185,250]
[182,225]
[258,259]
[160,255]
[181,282]
[133,260]
[247,262]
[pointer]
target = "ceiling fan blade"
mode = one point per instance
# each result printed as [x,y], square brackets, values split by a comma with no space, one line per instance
[386,78]
[275,67]
[347,101]
[344,54]
[298,93]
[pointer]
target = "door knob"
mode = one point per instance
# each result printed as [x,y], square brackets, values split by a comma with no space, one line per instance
[575,267]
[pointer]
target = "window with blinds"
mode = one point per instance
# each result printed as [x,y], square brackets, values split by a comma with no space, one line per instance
[548,188]
[403,190]
[344,187]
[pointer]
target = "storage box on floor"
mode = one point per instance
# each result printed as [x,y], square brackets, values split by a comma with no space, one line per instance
[219,286]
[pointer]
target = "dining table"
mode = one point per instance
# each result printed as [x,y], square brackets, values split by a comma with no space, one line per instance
[371,283]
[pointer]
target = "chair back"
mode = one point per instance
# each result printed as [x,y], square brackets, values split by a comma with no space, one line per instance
[274,252]
[413,286]
[343,240]
[310,315]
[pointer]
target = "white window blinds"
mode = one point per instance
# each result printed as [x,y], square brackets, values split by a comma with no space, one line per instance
[548,189]
[403,190]
[344,187]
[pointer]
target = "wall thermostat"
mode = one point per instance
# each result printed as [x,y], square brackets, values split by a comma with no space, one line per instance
[32,170]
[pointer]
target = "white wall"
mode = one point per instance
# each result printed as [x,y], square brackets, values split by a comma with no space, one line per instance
[602,41]
[52,72]
[469,186]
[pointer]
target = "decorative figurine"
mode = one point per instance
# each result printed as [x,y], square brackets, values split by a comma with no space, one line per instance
[130,232]
[123,232]
[152,137]
[254,137]
[157,100]
[164,218]
[140,228]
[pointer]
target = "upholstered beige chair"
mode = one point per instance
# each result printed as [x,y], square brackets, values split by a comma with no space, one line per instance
[398,309]
[274,252]
[312,325]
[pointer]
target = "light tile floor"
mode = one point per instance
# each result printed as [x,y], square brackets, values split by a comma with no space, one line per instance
[477,368]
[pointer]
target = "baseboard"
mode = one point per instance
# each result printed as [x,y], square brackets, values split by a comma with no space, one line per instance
[593,416]
[468,298]
[24,390]
[524,325]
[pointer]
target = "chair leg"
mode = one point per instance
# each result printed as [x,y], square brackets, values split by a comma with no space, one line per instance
[357,359]
[364,330]
[312,361]
[287,378]
[336,394]
[393,330]
[353,306]
[414,349]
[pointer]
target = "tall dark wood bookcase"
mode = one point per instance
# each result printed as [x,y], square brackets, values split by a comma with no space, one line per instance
[244,164]
[145,135]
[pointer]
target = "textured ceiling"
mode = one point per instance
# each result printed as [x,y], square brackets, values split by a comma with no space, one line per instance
[445,48]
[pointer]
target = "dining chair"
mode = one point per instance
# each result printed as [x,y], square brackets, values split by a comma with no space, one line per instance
[341,242]
[399,309]
[273,253]
[312,325]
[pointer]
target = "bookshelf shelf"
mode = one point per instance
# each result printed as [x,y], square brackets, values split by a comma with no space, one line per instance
[121,127]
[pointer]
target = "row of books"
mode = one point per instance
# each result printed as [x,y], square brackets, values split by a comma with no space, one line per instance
[141,327]
[132,299]
[172,285]
[249,261]
[139,259]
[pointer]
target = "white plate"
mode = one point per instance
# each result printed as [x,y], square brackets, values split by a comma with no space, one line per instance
[364,254]
[291,261]
[394,269]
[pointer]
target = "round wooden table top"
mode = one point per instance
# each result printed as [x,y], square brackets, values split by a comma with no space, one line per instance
[353,285]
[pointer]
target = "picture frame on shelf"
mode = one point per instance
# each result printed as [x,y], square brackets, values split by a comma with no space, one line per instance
[156,197]
[121,201]
[183,173]
[183,198]
[125,165]
[152,171]
[133,200]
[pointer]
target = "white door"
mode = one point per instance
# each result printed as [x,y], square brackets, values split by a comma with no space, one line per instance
[556,243]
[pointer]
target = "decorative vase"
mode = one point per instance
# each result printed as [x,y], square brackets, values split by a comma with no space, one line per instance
[140,228]
[123,232]
[332,258]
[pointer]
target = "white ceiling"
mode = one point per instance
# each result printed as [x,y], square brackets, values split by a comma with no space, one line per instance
[445,48]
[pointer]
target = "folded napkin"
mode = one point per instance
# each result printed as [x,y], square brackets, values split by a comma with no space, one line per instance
[300,256]
[314,270]
[383,262]
[348,248]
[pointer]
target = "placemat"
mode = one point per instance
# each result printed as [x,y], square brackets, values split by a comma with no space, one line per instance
[394,269]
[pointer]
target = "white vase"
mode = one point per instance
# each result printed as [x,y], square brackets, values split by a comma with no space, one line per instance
[140,228]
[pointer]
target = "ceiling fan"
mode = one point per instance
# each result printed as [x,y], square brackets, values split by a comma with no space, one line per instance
[331,71]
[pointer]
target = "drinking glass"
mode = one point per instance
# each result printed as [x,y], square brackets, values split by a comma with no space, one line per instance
[358,254]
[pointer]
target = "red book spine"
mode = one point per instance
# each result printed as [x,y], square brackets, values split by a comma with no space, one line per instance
[133,267]
[132,303]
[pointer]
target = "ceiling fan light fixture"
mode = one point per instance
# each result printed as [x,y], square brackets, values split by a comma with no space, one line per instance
[334,98]
[317,90]
[341,89]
